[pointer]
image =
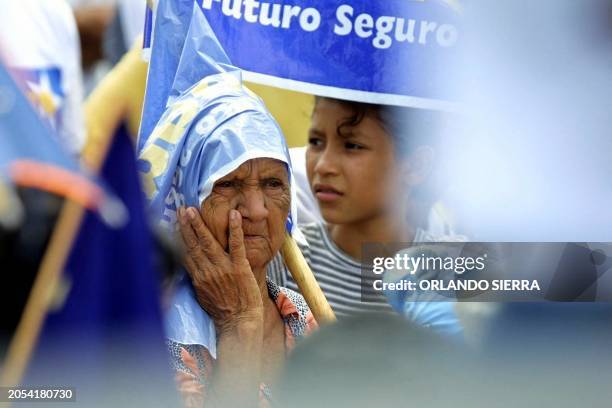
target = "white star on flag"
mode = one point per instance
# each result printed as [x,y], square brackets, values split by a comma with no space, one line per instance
[44,97]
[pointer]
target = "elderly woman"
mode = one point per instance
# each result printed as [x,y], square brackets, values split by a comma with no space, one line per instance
[230,240]
[217,169]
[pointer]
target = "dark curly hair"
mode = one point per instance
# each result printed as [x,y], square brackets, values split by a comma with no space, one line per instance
[408,127]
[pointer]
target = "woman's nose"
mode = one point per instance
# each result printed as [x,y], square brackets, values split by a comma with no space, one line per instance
[253,204]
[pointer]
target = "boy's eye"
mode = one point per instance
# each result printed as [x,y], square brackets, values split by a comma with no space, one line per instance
[315,141]
[353,146]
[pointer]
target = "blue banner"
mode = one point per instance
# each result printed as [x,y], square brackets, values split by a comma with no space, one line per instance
[396,52]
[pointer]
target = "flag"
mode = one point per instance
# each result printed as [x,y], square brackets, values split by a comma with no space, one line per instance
[31,157]
[43,86]
[165,33]
[104,337]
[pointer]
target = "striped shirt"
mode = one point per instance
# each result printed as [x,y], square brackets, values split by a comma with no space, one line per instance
[338,274]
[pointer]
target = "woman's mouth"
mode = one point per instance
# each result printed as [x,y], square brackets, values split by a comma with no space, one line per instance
[326,193]
[253,237]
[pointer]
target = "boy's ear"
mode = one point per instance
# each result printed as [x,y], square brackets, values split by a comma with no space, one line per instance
[418,165]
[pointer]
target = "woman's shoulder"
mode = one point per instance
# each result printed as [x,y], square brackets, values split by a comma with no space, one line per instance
[193,360]
[293,309]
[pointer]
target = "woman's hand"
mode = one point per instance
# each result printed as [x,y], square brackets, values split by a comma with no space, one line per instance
[224,283]
[226,287]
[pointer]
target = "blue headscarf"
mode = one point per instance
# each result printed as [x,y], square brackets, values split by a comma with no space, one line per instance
[212,124]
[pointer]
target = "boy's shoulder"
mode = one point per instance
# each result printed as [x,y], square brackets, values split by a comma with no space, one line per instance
[312,230]
[310,234]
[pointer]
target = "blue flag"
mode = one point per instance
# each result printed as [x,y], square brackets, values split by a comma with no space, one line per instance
[170,23]
[31,157]
[106,337]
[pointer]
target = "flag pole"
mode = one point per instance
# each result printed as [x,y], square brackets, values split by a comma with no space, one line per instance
[104,109]
[41,296]
[303,276]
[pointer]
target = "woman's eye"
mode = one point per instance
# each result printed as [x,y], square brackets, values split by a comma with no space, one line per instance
[225,184]
[273,183]
[353,146]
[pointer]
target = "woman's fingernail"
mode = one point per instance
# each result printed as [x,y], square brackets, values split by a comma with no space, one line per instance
[192,213]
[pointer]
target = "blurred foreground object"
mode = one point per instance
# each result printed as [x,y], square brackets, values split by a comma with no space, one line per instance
[104,324]
[99,310]
[11,211]
[378,360]
[31,158]
[548,354]
[531,355]
[116,100]
[92,19]
[531,161]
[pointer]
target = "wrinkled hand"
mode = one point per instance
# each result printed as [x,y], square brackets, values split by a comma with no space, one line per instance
[224,283]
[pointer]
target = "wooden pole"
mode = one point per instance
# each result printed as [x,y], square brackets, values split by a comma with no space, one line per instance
[42,293]
[303,276]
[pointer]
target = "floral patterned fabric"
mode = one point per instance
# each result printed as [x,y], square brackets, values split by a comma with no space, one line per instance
[194,364]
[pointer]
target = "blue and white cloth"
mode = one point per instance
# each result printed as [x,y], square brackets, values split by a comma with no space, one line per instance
[212,124]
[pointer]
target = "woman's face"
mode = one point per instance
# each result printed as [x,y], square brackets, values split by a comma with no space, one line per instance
[259,190]
[354,176]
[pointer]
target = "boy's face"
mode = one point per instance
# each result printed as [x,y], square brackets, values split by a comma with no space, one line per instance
[355,176]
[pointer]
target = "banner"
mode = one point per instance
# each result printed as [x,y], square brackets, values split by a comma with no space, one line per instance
[396,52]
